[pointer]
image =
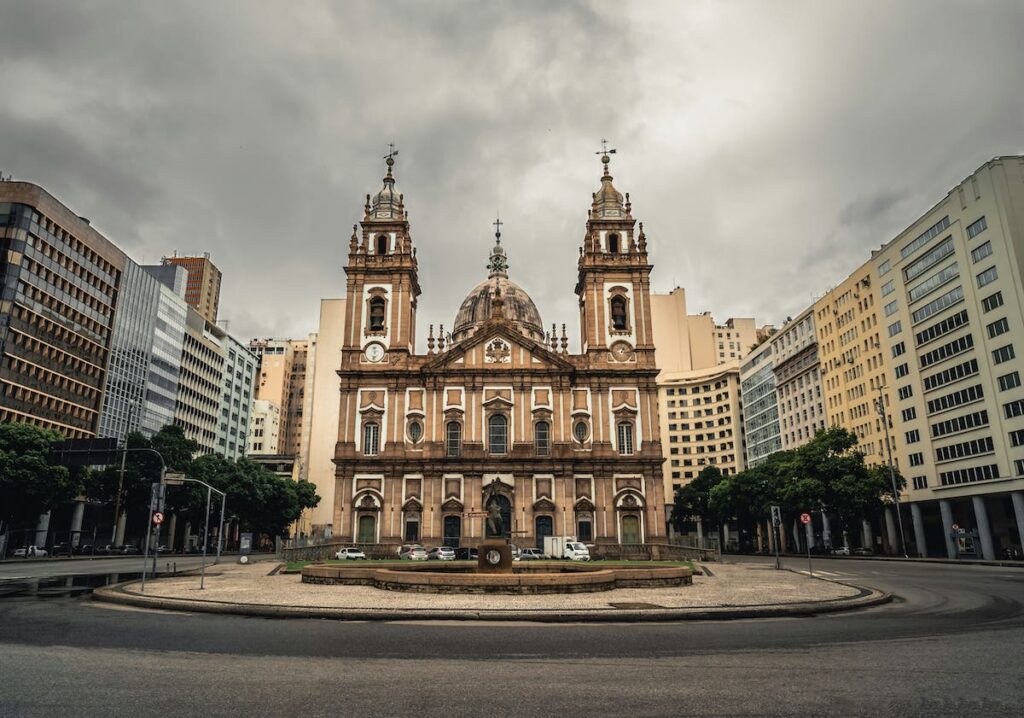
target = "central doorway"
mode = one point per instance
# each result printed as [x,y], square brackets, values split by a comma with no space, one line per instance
[452,531]
[543,526]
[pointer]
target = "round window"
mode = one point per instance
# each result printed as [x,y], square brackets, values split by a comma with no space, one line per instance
[415,431]
[580,431]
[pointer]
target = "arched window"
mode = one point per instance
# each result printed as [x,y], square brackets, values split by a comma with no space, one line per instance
[613,243]
[371,438]
[453,438]
[382,244]
[619,319]
[377,305]
[542,438]
[625,429]
[580,431]
[497,434]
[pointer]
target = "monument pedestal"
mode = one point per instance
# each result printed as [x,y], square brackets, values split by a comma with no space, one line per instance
[494,556]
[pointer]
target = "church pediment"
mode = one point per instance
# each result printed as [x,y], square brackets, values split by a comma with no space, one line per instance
[498,345]
[544,505]
[452,504]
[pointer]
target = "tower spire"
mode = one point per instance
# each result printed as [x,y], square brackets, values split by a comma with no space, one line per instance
[498,265]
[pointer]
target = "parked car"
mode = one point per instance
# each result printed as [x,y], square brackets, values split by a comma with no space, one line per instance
[466,554]
[441,553]
[84,549]
[531,554]
[862,552]
[841,551]
[412,553]
[29,551]
[350,554]
[127,550]
[62,549]
[106,549]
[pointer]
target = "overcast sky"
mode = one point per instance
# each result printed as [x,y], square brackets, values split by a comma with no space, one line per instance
[767,146]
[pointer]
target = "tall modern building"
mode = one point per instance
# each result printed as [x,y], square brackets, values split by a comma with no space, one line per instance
[797,371]
[759,401]
[202,290]
[60,280]
[198,406]
[165,359]
[238,377]
[951,289]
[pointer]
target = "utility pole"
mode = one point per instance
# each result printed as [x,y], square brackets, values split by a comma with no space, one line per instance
[880,405]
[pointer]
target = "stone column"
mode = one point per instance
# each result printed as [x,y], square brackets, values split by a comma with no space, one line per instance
[760,538]
[915,515]
[984,531]
[172,526]
[890,531]
[868,536]
[725,535]
[77,514]
[1018,511]
[700,533]
[796,536]
[809,533]
[826,530]
[119,534]
[42,529]
[946,509]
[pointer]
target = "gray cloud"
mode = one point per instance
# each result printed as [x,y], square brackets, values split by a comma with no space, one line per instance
[767,147]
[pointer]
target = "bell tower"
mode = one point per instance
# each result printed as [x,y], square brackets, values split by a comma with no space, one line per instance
[383,281]
[613,283]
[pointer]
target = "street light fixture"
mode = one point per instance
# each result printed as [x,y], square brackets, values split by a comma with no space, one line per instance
[178,480]
[880,406]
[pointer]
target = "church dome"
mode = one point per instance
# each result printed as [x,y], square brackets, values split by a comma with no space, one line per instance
[516,304]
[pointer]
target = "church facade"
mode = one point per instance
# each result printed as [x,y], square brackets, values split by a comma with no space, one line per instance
[498,412]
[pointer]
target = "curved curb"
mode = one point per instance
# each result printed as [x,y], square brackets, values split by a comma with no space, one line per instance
[119,594]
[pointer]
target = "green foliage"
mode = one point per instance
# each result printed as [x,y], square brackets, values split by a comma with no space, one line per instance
[29,483]
[826,472]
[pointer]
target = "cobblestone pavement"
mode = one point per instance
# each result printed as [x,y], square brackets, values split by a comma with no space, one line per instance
[730,585]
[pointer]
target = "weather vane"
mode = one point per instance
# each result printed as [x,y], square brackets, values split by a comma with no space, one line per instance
[604,149]
[392,153]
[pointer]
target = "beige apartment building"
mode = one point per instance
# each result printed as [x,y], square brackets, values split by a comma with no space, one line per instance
[282,379]
[797,369]
[202,289]
[951,296]
[264,428]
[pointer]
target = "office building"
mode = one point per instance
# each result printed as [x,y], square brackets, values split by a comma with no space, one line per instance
[759,401]
[797,369]
[202,290]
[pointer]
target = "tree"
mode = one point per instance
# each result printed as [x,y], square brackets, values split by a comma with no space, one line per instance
[693,499]
[29,483]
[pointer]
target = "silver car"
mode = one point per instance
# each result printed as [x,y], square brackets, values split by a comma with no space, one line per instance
[412,553]
[350,554]
[441,553]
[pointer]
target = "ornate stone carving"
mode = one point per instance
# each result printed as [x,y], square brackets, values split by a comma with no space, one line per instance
[497,351]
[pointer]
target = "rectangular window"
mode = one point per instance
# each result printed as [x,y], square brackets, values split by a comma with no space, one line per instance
[942,327]
[1018,467]
[913,436]
[1017,438]
[922,265]
[965,449]
[987,277]
[898,349]
[968,475]
[891,308]
[956,398]
[895,328]
[884,268]
[925,237]
[909,414]
[920,482]
[916,459]
[992,301]
[1000,326]
[1003,354]
[902,370]
[933,282]
[1014,409]
[977,227]
[905,392]
[957,346]
[938,304]
[888,288]
[960,423]
[954,373]
[625,438]
[1009,381]
[981,251]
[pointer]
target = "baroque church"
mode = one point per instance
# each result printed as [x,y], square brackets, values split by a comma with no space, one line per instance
[498,411]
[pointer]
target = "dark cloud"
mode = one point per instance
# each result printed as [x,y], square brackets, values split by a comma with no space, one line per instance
[767,148]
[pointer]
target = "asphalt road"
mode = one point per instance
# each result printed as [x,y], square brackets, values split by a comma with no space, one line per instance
[953,644]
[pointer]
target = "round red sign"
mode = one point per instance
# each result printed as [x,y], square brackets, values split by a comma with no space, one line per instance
[158,518]
[805,518]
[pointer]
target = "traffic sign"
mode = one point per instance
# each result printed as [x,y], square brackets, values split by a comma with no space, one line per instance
[158,518]
[174,479]
[805,518]
[776,516]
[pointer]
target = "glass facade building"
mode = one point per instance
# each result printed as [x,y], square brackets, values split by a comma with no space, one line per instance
[239,377]
[760,407]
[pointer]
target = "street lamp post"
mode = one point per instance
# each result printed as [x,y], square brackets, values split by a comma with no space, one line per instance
[879,404]
[177,480]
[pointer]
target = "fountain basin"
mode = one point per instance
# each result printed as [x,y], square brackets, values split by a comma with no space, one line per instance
[533,577]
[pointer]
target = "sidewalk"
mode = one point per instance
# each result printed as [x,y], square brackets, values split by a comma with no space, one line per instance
[948,561]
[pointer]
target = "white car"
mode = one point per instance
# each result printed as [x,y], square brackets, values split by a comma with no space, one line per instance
[576,551]
[350,554]
[30,551]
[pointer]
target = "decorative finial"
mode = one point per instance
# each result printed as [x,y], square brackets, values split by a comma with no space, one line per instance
[430,340]
[497,228]
[605,159]
[498,265]
[389,158]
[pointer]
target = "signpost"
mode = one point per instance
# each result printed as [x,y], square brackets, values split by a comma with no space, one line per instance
[805,519]
[158,518]
[776,534]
